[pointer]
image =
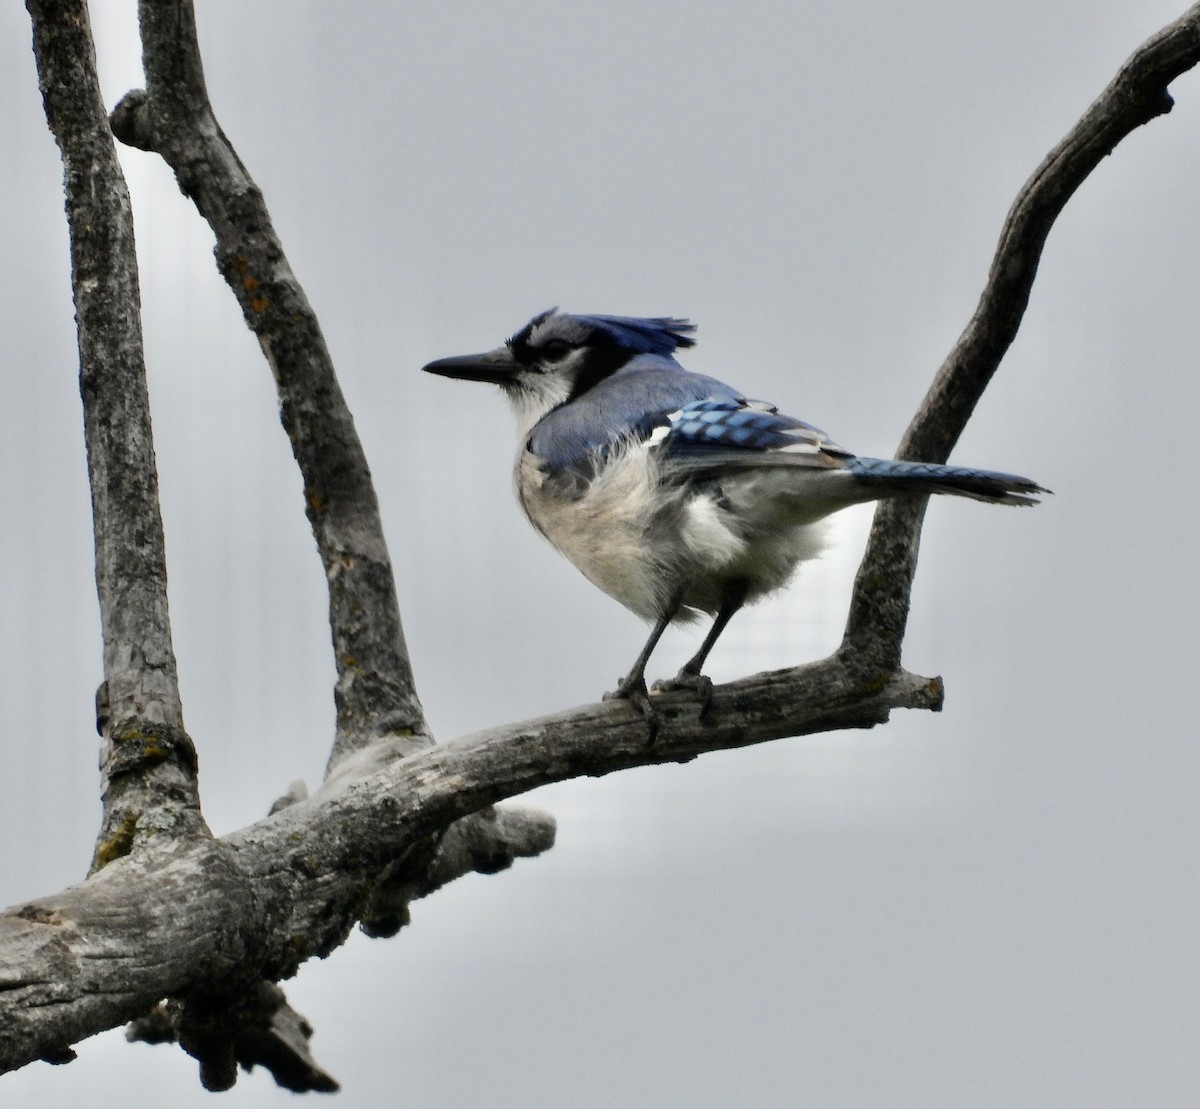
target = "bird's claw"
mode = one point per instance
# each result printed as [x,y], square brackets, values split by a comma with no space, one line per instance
[685,679]
[636,693]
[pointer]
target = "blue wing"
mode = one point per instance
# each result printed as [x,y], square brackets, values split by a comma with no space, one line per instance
[716,434]
[631,404]
[711,438]
[696,422]
[703,429]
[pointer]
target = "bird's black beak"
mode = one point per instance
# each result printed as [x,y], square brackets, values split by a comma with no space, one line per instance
[497,366]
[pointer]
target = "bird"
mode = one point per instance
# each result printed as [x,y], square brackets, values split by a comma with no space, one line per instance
[672,491]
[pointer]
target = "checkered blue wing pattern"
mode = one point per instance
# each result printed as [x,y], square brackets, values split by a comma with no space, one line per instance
[710,437]
[747,433]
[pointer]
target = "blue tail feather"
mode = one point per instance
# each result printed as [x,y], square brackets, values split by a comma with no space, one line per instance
[929,477]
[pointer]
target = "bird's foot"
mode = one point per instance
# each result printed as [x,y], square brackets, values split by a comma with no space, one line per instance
[635,692]
[686,679]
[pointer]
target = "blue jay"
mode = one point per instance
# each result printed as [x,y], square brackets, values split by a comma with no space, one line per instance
[670,490]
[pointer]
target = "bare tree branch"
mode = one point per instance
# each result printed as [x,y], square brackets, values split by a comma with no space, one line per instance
[206,921]
[376,696]
[148,762]
[1136,95]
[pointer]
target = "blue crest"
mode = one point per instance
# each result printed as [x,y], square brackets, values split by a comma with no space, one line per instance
[646,335]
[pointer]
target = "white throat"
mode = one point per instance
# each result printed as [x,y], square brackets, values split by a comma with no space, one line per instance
[535,395]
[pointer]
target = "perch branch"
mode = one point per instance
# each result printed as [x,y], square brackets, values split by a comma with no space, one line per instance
[259,902]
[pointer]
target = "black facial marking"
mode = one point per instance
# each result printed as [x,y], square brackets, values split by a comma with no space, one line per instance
[519,344]
[599,362]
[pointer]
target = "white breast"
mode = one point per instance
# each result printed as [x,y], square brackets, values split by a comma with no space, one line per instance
[642,542]
[603,530]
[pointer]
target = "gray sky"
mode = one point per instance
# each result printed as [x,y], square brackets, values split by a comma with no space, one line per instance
[992,907]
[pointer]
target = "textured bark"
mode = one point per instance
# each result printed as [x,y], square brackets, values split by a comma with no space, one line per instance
[207,921]
[1136,95]
[148,763]
[212,924]
[375,693]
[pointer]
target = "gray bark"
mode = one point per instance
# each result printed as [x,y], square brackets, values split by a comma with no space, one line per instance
[1135,96]
[148,764]
[375,693]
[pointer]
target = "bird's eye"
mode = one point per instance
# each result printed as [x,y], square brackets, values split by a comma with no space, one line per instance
[555,350]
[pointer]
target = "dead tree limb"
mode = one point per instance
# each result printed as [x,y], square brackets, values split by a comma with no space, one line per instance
[375,693]
[1138,94]
[148,764]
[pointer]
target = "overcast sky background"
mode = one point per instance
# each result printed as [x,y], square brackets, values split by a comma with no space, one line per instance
[991,907]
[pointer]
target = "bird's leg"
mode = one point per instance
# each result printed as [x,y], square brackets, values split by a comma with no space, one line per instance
[689,676]
[632,687]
